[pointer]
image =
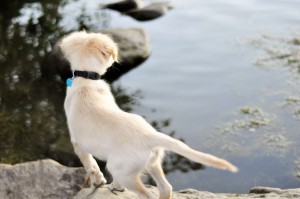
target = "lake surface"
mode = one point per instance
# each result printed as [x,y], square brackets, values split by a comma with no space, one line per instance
[222,75]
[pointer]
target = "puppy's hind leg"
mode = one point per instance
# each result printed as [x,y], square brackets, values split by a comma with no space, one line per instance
[135,184]
[156,171]
[96,176]
[128,175]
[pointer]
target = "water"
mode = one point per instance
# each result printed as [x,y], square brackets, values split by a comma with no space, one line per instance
[203,70]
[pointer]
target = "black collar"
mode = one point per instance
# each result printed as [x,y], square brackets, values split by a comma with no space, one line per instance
[87,75]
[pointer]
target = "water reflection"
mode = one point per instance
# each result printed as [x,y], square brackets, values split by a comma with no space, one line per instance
[32,121]
[30,118]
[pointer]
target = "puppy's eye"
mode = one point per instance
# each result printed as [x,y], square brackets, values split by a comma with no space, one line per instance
[104,54]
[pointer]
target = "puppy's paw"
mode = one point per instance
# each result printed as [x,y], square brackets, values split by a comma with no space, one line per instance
[99,182]
[97,179]
[113,187]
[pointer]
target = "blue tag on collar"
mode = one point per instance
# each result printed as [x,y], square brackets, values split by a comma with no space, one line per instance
[69,82]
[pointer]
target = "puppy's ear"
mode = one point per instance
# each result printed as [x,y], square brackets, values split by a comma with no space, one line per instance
[72,42]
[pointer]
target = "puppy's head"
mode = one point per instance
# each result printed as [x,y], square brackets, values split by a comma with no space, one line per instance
[89,51]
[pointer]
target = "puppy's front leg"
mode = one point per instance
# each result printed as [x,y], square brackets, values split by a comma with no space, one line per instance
[96,176]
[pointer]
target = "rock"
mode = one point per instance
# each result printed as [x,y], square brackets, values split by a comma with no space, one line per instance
[283,193]
[271,193]
[123,5]
[150,12]
[264,190]
[133,50]
[103,192]
[45,179]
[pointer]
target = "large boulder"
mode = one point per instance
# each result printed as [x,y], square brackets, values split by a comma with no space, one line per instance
[133,50]
[45,179]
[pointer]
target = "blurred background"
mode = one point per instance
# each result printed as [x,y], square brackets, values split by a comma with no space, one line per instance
[221,75]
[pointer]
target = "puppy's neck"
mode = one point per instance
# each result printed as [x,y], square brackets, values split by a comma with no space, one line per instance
[91,63]
[86,74]
[80,82]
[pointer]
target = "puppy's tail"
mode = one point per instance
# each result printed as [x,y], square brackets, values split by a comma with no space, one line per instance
[179,147]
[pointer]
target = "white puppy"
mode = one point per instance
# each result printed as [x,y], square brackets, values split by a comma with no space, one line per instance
[99,128]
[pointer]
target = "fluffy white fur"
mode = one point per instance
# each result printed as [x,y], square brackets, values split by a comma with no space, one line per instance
[99,128]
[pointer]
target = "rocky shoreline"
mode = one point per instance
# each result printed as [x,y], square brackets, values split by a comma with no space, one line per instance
[47,179]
